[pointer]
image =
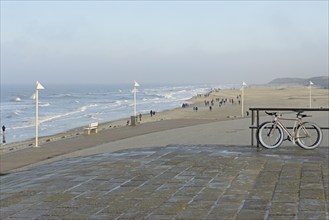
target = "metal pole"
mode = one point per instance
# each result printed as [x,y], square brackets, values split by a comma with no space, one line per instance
[257,122]
[310,95]
[36,117]
[252,125]
[242,101]
[135,113]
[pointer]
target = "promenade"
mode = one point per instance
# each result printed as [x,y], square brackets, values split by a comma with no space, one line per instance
[204,171]
[174,182]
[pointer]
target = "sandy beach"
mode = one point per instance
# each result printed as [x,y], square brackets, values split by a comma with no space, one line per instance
[21,154]
[159,110]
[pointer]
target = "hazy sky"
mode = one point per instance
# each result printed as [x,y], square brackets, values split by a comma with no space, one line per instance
[162,41]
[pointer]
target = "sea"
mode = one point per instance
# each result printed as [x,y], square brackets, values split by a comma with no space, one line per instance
[65,107]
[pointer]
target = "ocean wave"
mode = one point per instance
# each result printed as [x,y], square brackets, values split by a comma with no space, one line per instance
[14,113]
[150,99]
[168,96]
[44,104]
[65,95]
[16,99]
[51,118]
[124,102]
[81,109]
[175,93]
[29,125]
[70,107]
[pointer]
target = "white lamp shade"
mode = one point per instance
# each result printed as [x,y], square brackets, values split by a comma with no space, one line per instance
[39,86]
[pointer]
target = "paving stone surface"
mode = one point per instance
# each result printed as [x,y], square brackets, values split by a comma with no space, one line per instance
[174,182]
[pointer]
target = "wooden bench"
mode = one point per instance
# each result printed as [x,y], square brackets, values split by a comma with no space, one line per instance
[91,127]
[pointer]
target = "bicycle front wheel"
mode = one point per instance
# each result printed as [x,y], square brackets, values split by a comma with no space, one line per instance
[270,135]
[309,135]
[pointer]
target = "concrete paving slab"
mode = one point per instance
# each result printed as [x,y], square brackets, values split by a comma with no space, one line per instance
[173,182]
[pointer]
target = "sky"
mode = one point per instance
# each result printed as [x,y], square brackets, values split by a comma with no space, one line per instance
[190,42]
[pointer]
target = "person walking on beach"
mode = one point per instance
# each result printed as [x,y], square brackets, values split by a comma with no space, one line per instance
[3,134]
[140,117]
[151,113]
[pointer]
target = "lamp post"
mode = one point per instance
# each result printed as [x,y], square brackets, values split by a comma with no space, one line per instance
[242,97]
[135,92]
[311,83]
[133,118]
[38,87]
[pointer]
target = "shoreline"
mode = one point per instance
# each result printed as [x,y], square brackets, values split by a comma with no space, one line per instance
[231,111]
[75,139]
[74,132]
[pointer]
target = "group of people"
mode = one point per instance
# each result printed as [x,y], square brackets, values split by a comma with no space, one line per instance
[184,105]
[222,101]
[152,113]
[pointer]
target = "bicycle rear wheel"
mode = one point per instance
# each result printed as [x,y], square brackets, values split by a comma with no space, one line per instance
[269,135]
[309,135]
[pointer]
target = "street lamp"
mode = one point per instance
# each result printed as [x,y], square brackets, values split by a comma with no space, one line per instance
[311,83]
[135,91]
[38,87]
[242,96]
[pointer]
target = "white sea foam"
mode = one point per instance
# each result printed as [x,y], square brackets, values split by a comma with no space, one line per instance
[51,118]
[66,95]
[44,104]
[67,107]
[121,102]
[168,96]
[16,99]
[28,125]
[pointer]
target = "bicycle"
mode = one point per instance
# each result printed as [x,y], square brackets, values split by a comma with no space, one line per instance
[307,135]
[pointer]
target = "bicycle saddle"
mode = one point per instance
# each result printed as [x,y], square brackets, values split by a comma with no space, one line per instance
[304,115]
[299,114]
[271,113]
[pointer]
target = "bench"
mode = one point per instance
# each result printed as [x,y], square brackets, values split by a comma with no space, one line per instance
[91,127]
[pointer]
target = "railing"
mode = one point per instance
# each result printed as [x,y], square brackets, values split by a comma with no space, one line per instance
[257,110]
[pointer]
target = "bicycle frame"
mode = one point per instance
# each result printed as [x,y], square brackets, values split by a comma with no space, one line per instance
[298,121]
[307,135]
